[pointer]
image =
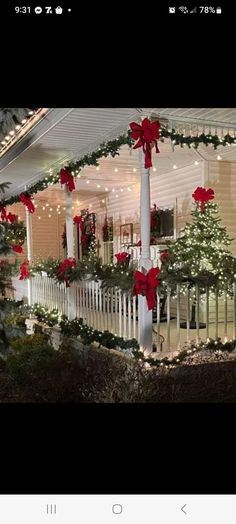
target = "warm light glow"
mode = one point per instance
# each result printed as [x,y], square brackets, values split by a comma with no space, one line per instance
[121,190]
[174,166]
[106,188]
[49,216]
[116,170]
[87,181]
[43,208]
[23,121]
[50,208]
[113,190]
[31,113]
[3,143]
[97,168]
[7,137]
[219,157]
[12,133]
[154,169]
[18,127]
[134,169]
[98,185]
[117,196]
[47,205]
[39,218]
[196,163]
[103,201]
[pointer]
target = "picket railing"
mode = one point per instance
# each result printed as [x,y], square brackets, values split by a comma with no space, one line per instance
[117,312]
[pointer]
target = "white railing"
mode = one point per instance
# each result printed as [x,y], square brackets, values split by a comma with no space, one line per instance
[118,312]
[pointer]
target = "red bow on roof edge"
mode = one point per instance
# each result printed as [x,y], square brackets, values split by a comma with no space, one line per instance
[147,134]
[27,202]
[67,178]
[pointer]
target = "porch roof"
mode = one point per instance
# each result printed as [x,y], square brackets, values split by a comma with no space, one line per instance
[65,134]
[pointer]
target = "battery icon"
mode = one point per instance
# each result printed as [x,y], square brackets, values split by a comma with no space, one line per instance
[218,10]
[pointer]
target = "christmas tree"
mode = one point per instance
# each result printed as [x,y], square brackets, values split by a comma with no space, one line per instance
[200,256]
[12,236]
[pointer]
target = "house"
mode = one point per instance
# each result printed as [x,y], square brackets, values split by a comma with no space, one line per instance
[111,190]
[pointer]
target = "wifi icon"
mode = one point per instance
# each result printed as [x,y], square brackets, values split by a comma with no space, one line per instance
[183,9]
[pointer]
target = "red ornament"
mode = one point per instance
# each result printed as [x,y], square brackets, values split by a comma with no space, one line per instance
[24,271]
[67,178]
[122,257]
[77,220]
[11,217]
[17,248]
[202,196]
[146,285]
[147,134]
[27,202]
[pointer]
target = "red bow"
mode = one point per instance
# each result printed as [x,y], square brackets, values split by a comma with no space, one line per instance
[146,285]
[164,255]
[17,248]
[3,212]
[27,202]
[84,239]
[122,257]
[203,195]
[77,220]
[67,178]
[24,271]
[63,266]
[12,217]
[147,134]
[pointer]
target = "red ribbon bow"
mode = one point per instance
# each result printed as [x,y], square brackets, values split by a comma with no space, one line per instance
[63,266]
[146,285]
[12,217]
[24,271]
[147,134]
[164,255]
[67,178]
[3,212]
[203,195]
[27,202]
[122,257]
[17,248]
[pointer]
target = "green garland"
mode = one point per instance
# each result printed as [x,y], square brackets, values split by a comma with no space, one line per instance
[76,328]
[211,345]
[111,276]
[112,148]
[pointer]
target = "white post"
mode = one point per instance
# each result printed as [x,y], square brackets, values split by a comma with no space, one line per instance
[70,249]
[145,316]
[69,223]
[29,249]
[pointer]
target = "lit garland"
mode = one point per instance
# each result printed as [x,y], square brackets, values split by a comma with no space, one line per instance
[77,328]
[112,148]
[212,345]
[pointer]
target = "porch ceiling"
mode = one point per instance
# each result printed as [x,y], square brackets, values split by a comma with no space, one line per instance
[69,133]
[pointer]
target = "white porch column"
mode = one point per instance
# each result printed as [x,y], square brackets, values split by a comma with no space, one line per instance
[70,249]
[145,316]
[69,223]
[29,249]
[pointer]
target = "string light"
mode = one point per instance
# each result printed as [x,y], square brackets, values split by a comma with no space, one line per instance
[116,170]
[97,168]
[154,169]
[106,188]
[196,163]
[219,157]
[87,181]
[134,169]
[174,166]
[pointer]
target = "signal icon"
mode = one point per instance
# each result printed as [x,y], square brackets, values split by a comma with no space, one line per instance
[194,10]
[183,9]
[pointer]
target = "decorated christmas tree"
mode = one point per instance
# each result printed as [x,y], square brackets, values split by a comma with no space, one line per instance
[12,237]
[200,256]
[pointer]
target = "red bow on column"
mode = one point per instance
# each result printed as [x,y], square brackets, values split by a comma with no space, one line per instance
[27,202]
[203,195]
[147,134]
[24,271]
[146,285]
[67,178]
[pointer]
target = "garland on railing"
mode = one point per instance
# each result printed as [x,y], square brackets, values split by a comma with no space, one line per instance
[76,328]
[111,276]
[112,148]
[88,335]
